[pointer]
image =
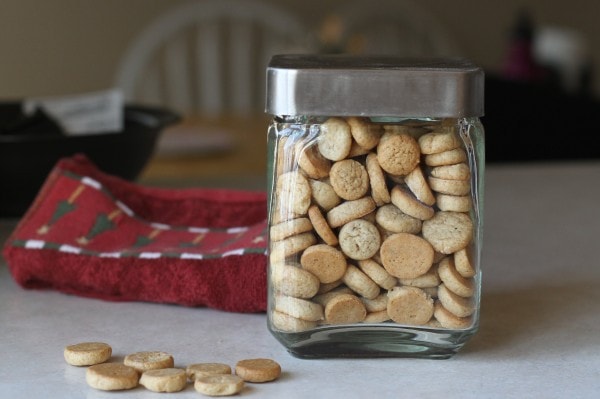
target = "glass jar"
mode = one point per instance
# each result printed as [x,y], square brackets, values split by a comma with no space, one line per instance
[375,205]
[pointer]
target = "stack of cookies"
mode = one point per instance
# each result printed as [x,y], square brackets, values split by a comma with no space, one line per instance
[372,223]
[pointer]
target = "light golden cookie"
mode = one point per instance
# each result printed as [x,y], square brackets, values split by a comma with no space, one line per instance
[289,228]
[294,281]
[219,385]
[365,133]
[356,150]
[87,353]
[459,171]
[310,160]
[292,245]
[345,309]
[350,210]
[410,205]
[379,190]
[406,255]
[449,157]
[321,226]
[111,377]
[454,203]
[398,154]
[325,262]
[299,308]
[453,280]
[360,283]
[293,192]
[285,322]
[143,361]
[409,305]
[335,139]
[377,273]
[323,195]
[417,184]
[258,370]
[285,158]
[457,305]
[394,220]
[377,317]
[464,263]
[324,298]
[164,380]
[439,141]
[376,304]
[359,239]
[449,320]
[448,232]
[427,280]
[349,179]
[329,286]
[447,186]
[197,370]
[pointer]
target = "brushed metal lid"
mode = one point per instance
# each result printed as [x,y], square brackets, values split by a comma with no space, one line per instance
[346,85]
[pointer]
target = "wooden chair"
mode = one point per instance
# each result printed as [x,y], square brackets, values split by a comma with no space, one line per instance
[208,57]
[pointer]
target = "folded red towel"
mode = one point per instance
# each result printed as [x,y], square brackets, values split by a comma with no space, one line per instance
[92,234]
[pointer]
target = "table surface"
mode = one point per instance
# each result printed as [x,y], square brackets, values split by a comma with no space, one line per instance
[540,320]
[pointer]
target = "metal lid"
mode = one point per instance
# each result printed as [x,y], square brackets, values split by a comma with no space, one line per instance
[347,85]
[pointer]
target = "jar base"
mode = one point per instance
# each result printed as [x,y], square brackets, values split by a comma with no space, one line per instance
[376,341]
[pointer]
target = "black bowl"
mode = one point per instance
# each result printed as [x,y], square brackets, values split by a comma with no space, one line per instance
[29,148]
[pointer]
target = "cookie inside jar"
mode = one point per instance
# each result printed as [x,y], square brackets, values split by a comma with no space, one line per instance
[380,215]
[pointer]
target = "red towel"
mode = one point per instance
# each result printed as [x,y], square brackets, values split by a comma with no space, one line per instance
[95,235]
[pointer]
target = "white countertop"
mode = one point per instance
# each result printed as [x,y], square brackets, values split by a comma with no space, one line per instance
[539,335]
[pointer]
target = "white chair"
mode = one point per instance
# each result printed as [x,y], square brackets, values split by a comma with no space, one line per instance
[392,27]
[208,57]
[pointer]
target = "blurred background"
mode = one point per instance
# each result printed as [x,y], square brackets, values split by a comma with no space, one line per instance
[205,59]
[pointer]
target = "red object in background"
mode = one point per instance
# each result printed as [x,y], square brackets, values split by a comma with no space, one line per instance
[96,235]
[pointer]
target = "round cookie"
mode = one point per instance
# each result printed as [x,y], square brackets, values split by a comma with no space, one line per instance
[439,141]
[449,320]
[164,380]
[325,262]
[289,228]
[285,322]
[294,281]
[428,280]
[291,245]
[377,273]
[87,353]
[345,309]
[410,205]
[335,139]
[143,361]
[324,298]
[450,157]
[360,283]
[357,151]
[451,187]
[293,192]
[365,134]
[350,210]
[409,305]
[453,280]
[376,304]
[321,227]
[349,179]
[448,232]
[359,239]
[111,377]
[310,160]
[464,263]
[299,308]
[258,370]
[406,255]
[197,370]
[394,220]
[398,154]
[379,190]
[455,304]
[323,195]
[417,184]
[219,385]
[454,203]
[459,171]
